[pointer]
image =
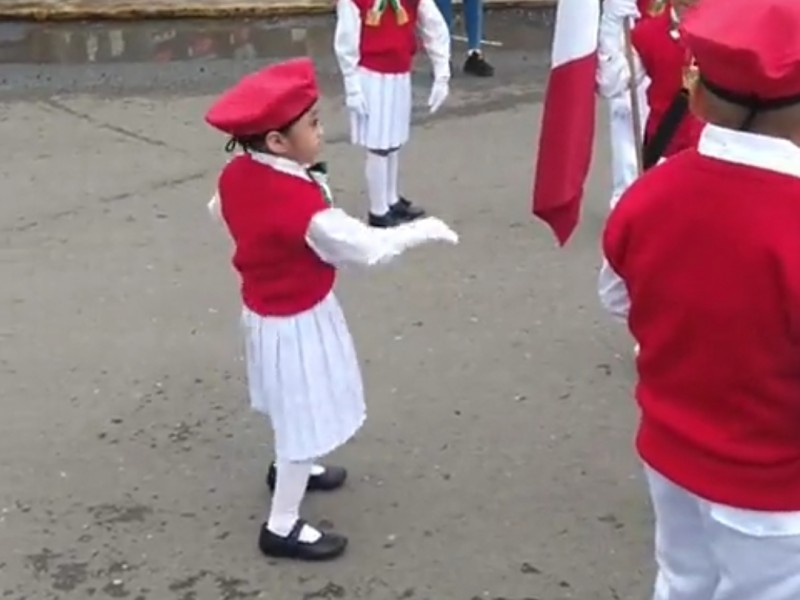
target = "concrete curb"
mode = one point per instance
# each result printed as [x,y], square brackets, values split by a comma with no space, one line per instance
[66,10]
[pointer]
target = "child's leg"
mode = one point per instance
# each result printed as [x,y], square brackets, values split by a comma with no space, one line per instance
[389,108]
[397,203]
[446,8]
[324,478]
[377,174]
[686,565]
[290,487]
[759,554]
[285,534]
[394,174]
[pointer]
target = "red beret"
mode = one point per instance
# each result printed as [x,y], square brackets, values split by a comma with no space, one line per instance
[747,48]
[266,100]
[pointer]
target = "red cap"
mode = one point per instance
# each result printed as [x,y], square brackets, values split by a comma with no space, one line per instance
[747,48]
[266,100]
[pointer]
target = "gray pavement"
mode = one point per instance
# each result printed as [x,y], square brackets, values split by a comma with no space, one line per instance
[496,463]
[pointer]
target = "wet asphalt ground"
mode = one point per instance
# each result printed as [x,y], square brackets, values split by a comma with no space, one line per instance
[496,463]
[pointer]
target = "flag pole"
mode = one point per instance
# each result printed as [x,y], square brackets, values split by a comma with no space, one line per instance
[636,113]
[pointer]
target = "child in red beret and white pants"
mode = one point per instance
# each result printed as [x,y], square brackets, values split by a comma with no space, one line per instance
[375,43]
[706,248]
[289,241]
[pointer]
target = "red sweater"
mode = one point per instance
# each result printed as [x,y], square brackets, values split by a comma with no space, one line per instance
[710,255]
[267,213]
[664,60]
[388,47]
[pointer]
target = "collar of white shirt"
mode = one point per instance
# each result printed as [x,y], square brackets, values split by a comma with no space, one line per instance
[279,163]
[750,149]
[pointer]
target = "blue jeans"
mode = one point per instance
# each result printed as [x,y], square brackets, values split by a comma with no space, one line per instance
[473,20]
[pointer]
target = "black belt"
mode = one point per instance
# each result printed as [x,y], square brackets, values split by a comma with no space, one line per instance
[655,146]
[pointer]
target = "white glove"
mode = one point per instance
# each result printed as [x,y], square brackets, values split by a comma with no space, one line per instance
[354,96]
[438,231]
[356,102]
[439,93]
[619,10]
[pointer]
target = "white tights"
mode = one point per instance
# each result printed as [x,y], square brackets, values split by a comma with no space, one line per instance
[382,173]
[290,487]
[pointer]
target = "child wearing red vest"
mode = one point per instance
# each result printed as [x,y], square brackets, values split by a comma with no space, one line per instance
[661,60]
[289,240]
[375,43]
[708,252]
[664,59]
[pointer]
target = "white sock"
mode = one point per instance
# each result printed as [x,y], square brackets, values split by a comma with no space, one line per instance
[316,469]
[377,171]
[392,195]
[290,487]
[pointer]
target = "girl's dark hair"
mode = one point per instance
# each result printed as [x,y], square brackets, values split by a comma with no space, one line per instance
[251,143]
[256,142]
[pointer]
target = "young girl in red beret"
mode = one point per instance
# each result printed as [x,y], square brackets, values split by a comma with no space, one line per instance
[289,240]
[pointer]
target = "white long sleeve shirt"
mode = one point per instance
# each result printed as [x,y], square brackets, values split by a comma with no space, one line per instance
[341,240]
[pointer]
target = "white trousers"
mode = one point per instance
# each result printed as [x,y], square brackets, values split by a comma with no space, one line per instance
[708,551]
[624,165]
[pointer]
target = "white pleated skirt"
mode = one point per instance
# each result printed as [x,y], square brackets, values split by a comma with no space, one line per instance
[388,120]
[303,374]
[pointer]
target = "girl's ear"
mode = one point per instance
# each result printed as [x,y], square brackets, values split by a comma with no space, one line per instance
[275,142]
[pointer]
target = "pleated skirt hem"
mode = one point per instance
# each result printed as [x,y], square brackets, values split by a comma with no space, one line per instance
[303,374]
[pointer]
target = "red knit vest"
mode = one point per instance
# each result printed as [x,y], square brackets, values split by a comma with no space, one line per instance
[710,255]
[388,47]
[267,213]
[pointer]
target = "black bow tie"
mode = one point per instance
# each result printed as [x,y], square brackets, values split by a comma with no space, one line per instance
[321,168]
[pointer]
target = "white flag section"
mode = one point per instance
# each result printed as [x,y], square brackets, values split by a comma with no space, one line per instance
[568,118]
[576,31]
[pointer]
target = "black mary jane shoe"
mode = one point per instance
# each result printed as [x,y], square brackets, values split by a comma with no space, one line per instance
[332,478]
[407,210]
[402,211]
[390,219]
[327,547]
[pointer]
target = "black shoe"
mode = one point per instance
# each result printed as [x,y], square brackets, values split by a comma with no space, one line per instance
[476,65]
[332,478]
[327,547]
[406,209]
[390,219]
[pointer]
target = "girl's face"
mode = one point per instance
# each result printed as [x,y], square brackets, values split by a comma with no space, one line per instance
[302,143]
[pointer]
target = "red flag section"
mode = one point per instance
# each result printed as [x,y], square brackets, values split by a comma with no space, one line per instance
[568,118]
